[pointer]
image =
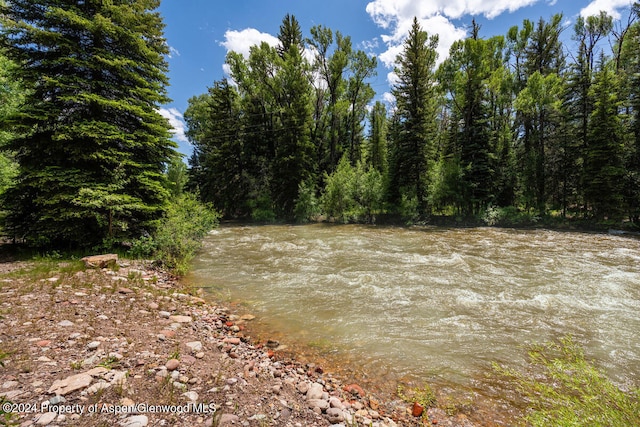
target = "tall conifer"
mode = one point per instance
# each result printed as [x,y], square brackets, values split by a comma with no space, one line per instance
[92,144]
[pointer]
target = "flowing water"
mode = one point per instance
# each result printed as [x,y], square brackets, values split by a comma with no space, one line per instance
[434,303]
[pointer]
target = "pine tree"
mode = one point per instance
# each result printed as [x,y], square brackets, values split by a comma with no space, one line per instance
[417,103]
[93,144]
[603,164]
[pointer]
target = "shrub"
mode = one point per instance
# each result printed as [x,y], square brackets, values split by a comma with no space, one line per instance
[306,203]
[562,389]
[180,233]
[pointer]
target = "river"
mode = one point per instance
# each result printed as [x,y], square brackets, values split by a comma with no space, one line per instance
[439,304]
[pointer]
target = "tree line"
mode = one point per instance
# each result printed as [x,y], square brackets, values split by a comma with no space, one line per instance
[519,122]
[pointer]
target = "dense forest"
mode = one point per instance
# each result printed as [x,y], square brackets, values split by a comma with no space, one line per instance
[513,126]
[520,125]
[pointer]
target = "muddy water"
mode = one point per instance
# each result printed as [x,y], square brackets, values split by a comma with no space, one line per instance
[433,303]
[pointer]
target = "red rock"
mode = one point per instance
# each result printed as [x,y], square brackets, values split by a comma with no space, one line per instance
[43,343]
[354,389]
[188,359]
[434,422]
[168,333]
[229,324]
[270,354]
[417,409]
[172,364]
[319,370]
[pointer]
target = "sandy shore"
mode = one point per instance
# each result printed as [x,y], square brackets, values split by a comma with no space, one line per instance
[131,346]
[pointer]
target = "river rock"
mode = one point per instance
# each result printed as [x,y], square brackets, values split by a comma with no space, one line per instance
[46,418]
[172,364]
[194,346]
[315,392]
[72,383]
[229,419]
[335,415]
[100,261]
[318,403]
[136,421]
[335,402]
[181,319]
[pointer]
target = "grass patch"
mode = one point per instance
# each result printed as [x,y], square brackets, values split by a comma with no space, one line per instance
[564,389]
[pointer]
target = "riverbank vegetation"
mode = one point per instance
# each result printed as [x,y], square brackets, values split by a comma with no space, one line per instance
[519,128]
[562,388]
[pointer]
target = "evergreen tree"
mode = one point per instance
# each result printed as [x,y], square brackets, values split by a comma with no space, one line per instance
[294,162]
[376,152]
[603,164]
[416,110]
[217,163]
[92,145]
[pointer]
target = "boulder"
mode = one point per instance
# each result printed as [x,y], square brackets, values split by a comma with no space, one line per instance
[100,261]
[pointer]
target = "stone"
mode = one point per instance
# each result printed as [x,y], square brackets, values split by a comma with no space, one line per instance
[46,418]
[93,345]
[153,306]
[172,364]
[167,333]
[69,384]
[335,402]
[334,415]
[229,419]
[56,400]
[43,343]
[191,395]
[125,291]
[303,387]
[354,389]
[100,261]
[318,403]
[194,346]
[136,421]
[164,314]
[10,384]
[231,340]
[181,319]
[315,392]
[417,409]
[247,317]
[65,323]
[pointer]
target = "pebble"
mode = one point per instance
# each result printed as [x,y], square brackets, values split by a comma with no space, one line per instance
[46,418]
[65,323]
[164,314]
[181,319]
[93,345]
[172,364]
[194,346]
[136,421]
[191,395]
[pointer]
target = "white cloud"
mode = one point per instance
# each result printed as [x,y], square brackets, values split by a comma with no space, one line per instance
[173,52]
[396,17]
[612,7]
[176,121]
[241,41]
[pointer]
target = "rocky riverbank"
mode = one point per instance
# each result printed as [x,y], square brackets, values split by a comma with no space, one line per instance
[129,345]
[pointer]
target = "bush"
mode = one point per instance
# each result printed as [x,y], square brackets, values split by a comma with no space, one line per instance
[562,388]
[306,203]
[179,235]
[353,193]
[508,216]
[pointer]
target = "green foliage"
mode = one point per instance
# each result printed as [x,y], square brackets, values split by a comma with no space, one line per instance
[307,205]
[89,140]
[179,235]
[414,148]
[353,193]
[177,177]
[508,216]
[564,389]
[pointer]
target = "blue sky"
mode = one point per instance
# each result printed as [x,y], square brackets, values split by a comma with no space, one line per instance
[201,32]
